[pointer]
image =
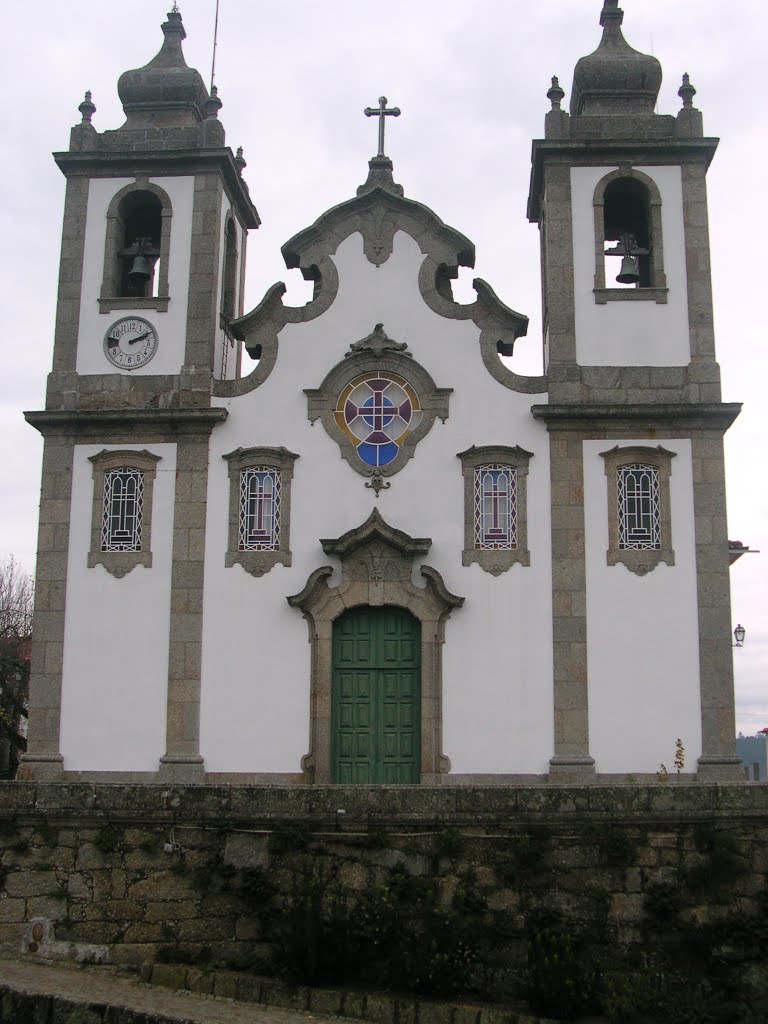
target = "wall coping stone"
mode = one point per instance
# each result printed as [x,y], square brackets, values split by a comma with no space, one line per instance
[234,806]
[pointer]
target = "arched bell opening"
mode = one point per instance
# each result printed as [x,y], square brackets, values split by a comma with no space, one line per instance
[141,217]
[137,249]
[629,252]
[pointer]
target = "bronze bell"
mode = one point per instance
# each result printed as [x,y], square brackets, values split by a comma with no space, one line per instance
[141,271]
[629,273]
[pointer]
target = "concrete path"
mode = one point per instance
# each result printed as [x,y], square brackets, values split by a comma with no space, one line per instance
[108,986]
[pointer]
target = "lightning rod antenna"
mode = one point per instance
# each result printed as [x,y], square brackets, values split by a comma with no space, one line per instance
[215,36]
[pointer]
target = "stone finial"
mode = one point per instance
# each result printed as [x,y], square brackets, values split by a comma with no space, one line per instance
[380,176]
[555,94]
[87,108]
[686,92]
[378,343]
[240,159]
[213,104]
[615,79]
[611,12]
[166,90]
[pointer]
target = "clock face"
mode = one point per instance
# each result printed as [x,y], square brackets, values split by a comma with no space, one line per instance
[130,342]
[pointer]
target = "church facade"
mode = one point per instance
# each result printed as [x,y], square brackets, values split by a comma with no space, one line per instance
[345,542]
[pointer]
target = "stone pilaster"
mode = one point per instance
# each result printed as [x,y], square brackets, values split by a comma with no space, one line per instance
[182,759]
[43,757]
[718,760]
[204,283]
[571,758]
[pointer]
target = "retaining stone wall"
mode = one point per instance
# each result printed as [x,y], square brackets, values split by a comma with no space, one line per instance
[623,870]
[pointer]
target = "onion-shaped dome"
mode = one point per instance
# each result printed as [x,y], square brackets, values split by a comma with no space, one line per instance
[166,89]
[615,79]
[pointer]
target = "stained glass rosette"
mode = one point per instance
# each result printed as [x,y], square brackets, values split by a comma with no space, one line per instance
[377,411]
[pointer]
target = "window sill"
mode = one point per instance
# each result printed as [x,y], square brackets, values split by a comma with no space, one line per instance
[120,563]
[604,295]
[257,563]
[156,302]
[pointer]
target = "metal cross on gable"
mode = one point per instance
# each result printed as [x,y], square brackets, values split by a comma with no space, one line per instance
[381,112]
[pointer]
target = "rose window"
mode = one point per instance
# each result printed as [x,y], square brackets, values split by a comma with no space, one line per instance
[378,411]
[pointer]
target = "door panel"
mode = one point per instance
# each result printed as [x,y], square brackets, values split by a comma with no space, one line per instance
[376,697]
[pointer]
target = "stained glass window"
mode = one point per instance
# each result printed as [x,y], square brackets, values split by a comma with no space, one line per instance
[259,509]
[639,507]
[123,510]
[495,500]
[378,411]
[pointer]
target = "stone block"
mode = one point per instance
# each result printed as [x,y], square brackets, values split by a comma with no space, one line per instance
[381,1008]
[628,908]
[139,931]
[326,1001]
[30,883]
[160,886]
[466,1014]
[225,985]
[435,1013]
[173,910]
[200,981]
[244,850]
[169,976]
[11,911]
[89,857]
[202,930]
[354,1006]
[249,989]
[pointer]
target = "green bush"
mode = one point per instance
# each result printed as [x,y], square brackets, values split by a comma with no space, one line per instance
[561,982]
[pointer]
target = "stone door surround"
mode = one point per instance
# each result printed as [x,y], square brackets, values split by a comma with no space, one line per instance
[377,564]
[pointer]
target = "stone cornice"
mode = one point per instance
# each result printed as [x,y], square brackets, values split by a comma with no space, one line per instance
[708,416]
[376,527]
[129,163]
[638,152]
[94,422]
[225,805]
[378,214]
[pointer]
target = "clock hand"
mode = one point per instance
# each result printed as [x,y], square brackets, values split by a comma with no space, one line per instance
[141,337]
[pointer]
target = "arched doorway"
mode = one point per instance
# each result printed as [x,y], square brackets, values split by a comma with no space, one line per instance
[376,697]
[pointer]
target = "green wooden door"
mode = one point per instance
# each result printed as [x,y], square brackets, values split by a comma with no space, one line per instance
[376,697]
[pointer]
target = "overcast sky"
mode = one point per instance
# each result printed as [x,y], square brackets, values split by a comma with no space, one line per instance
[471,79]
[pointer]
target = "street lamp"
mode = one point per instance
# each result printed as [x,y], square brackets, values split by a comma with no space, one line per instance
[738,634]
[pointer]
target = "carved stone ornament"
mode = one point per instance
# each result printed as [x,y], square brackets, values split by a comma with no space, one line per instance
[377,436]
[377,565]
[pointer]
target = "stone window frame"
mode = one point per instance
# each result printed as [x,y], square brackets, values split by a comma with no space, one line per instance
[639,560]
[109,297]
[120,563]
[496,560]
[658,291]
[257,563]
[372,354]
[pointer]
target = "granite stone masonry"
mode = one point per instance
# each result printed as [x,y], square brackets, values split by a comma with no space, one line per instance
[207,875]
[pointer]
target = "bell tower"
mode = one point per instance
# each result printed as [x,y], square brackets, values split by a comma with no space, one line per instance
[152,267]
[619,194]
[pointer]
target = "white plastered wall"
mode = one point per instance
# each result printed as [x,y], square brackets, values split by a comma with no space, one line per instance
[170,325]
[115,673]
[497,658]
[642,632]
[630,333]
